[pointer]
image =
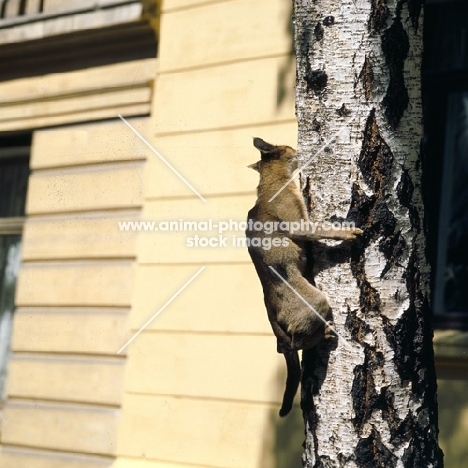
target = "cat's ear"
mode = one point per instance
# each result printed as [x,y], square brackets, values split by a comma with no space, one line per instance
[255,166]
[263,146]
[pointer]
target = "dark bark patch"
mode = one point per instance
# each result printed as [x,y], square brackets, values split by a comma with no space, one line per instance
[316,80]
[372,453]
[404,432]
[360,207]
[364,395]
[422,450]
[373,216]
[419,432]
[393,248]
[367,77]
[303,43]
[378,16]
[405,190]
[389,413]
[411,340]
[306,193]
[414,8]
[406,339]
[372,213]
[382,219]
[376,159]
[316,125]
[411,335]
[395,47]
[343,111]
[358,328]
[369,298]
[318,32]
[329,20]
[324,461]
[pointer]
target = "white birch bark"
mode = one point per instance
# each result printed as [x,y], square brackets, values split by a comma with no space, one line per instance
[358,104]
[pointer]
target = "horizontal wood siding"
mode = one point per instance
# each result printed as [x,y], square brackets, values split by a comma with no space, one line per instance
[99,142]
[89,236]
[221,299]
[197,100]
[82,330]
[103,187]
[61,427]
[65,380]
[215,163]
[250,376]
[223,434]
[71,67]
[60,378]
[77,96]
[97,283]
[260,20]
[27,458]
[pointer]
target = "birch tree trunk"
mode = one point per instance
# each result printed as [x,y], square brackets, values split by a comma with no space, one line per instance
[358,104]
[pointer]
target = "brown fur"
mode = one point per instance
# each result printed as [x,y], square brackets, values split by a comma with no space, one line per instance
[295,325]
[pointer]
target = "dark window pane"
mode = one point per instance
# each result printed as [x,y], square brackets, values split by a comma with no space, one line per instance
[445,42]
[14,175]
[452,268]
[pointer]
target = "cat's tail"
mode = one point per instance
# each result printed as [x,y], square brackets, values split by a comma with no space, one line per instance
[292,381]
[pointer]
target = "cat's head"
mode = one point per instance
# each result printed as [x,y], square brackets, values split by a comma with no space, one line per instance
[269,152]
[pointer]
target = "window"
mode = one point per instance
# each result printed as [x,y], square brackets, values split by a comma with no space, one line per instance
[451,292]
[445,97]
[14,173]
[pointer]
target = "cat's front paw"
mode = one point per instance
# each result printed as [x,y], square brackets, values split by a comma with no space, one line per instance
[353,233]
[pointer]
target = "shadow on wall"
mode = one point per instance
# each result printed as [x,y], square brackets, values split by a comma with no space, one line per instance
[287,70]
[284,436]
[453,421]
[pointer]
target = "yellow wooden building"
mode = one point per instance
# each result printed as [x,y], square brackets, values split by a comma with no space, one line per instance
[201,385]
